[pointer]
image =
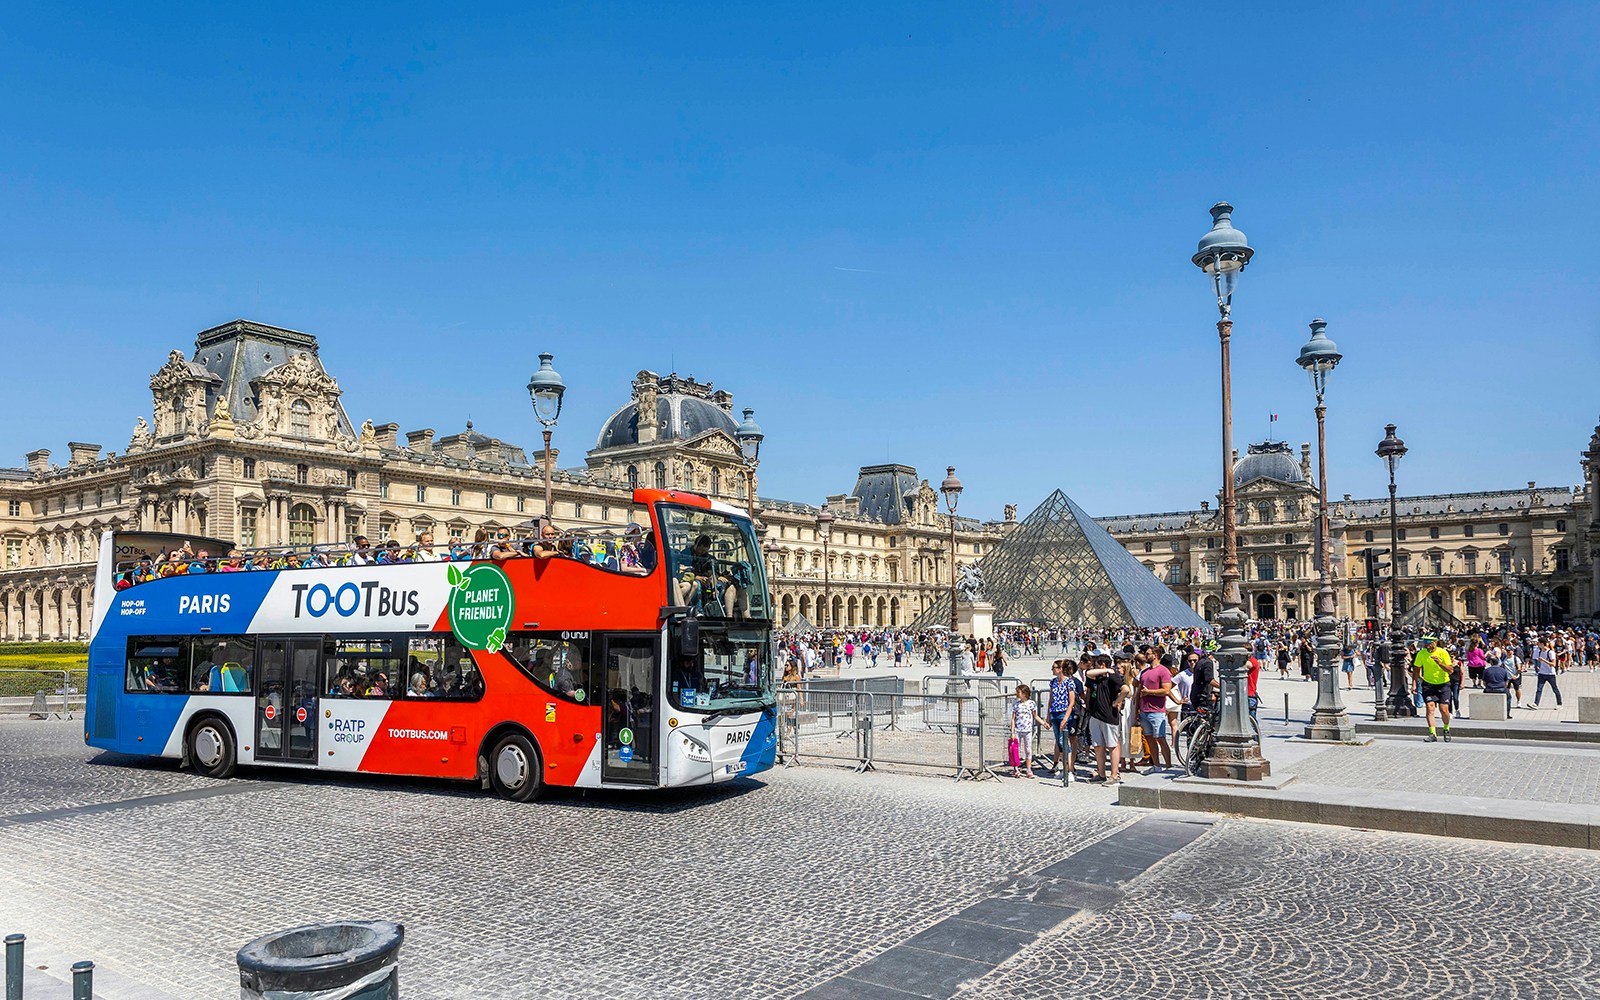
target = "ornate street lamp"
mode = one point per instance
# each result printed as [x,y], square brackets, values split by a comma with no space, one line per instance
[1329,720]
[749,434]
[825,531]
[1222,254]
[951,489]
[546,390]
[1391,449]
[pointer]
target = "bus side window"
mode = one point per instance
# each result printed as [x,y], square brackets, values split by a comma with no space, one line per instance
[557,664]
[158,664]
[440,667]
[222,665]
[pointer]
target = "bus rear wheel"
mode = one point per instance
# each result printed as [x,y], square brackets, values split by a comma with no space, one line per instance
[211,749]
[514,769]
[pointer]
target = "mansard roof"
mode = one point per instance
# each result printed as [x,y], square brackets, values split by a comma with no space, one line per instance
[241,352]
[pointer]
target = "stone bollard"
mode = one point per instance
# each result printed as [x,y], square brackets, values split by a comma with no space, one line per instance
[1485,707]
[1589,710]
[344,960]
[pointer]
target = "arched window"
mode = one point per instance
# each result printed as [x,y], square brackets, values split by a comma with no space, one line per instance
[300,418]
[661,475]
[1266,568]
[302,525]
[1264,511]
[1469,603]
[716,481]
[633,477]
[688,475]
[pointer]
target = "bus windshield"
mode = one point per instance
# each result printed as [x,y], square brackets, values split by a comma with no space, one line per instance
[734,671]
[713,564]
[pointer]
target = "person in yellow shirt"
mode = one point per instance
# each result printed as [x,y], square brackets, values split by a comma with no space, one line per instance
[1434,670]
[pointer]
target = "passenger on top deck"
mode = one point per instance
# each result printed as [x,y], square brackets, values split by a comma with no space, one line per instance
[549,541]
[500,548]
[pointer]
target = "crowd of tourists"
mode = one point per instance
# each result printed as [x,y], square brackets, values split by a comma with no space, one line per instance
[1116,697]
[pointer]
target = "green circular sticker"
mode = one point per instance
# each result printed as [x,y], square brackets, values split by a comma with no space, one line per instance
[625,737]
[577,695]
[480,606]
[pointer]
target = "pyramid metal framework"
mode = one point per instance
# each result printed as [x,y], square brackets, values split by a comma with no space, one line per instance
[1061,567]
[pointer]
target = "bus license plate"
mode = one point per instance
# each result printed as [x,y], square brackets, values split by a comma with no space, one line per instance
[736,767]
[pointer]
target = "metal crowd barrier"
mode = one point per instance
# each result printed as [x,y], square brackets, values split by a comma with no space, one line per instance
[58,698]
[959,733]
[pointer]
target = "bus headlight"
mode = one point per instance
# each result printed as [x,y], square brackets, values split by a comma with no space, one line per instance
[694,749]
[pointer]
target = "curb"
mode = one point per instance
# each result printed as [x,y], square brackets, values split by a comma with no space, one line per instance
[1548,732]
[1547,824]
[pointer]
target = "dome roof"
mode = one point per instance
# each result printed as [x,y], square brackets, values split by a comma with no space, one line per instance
[677,417]
[1268,460]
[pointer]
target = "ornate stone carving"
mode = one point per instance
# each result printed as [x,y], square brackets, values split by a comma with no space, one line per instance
[141,436]
[969,583]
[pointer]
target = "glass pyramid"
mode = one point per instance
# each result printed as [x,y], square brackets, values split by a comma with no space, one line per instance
[1059,566]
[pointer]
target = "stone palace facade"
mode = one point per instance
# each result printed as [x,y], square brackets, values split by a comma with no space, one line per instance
[248,442]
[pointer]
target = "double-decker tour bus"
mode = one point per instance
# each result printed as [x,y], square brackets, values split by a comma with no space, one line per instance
[634,658]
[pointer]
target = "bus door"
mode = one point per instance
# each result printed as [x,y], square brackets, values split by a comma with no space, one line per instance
[289,672]
[631,720]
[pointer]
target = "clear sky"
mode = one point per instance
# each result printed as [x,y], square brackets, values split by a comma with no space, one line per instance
[932,234]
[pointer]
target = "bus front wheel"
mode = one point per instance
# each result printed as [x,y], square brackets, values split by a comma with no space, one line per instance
[211,748]
[514,769]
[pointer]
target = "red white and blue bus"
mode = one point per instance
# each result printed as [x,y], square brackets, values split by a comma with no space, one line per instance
[635,659]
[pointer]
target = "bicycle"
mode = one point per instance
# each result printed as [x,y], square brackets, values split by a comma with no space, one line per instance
[1202,737]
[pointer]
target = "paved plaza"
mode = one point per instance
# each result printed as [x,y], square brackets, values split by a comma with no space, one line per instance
[810,881]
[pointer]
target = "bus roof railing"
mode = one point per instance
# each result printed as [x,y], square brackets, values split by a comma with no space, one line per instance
[569,543]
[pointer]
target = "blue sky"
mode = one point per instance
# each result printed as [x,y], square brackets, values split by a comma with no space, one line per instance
[932,234]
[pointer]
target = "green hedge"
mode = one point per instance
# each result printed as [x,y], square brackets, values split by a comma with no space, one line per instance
[8,649]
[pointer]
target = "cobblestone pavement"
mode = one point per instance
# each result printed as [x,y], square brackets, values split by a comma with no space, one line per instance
[763,888]
[707,894]
[1460,768]
[1267,911]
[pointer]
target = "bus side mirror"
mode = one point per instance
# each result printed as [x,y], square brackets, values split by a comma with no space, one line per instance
[689,637]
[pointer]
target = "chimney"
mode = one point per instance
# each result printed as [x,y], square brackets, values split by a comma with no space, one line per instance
[39,461]
[1347,496]
[1236,456]
[387,433]
[487,451]
[723,399]
[83,454]
[1205,505]
[421,441]
[1532,485]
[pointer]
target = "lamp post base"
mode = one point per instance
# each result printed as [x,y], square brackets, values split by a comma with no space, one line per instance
[1331,727]
[1236,761]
